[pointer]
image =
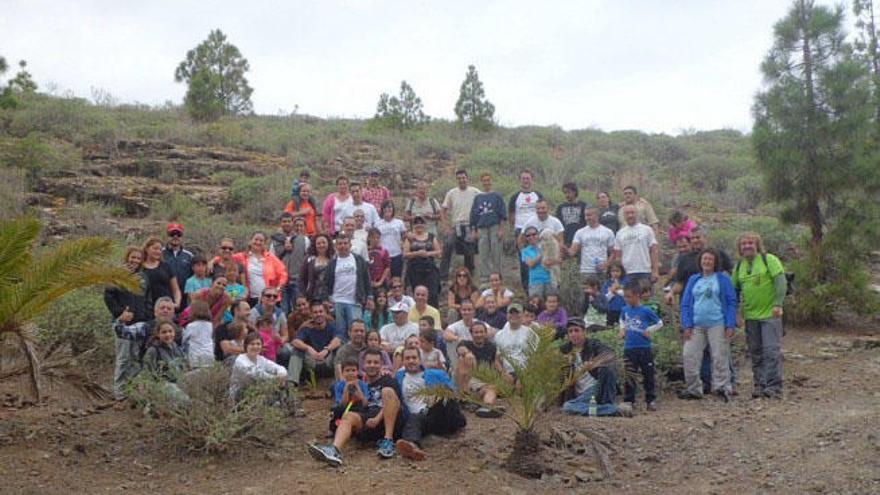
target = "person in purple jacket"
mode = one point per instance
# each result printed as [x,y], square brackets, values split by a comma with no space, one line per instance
[708,315]
[555,315]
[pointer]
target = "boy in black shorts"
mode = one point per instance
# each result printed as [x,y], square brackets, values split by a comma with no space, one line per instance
[376,419]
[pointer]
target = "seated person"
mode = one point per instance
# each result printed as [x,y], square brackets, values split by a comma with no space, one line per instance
[374,342]
[492,315]
[595,306]
[357,343]
[167,362]
[315,334]
[394,333]
[430,355]
[530,312]
[252,366]
[470,354]
[599,384]
[378,418]
[422,416]
[554,315]
[459,330]
[411,342]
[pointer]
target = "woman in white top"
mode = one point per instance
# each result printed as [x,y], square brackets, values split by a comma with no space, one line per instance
[502,294]
[393,231]
[251,366]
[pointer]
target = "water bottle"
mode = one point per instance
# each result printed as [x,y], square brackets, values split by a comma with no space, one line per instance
[593,411]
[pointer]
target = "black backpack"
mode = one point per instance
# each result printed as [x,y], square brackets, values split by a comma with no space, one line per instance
[789,276]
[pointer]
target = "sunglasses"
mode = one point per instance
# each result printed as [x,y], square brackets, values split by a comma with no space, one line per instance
[270,296]
[227,248]
[175,234]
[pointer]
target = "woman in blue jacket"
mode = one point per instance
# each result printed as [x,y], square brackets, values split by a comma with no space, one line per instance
[708,315]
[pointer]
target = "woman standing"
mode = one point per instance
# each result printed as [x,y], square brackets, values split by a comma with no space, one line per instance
[708,315]
[161,281]
[262,269]
[128,308]
[335,206]
[315,268]
[607,211]
[304,206]
[420,249]
[393,232]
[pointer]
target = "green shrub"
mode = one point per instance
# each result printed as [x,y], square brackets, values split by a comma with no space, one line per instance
[82,321]
[667,346]
[212,423]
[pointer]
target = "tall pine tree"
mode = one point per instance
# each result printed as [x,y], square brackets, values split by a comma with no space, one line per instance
[400,112]
[472,107]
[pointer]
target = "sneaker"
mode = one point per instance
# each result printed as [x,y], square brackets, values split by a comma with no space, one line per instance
[410,450]
[773,394]
[326,453]
[470,406]
[626,408]
[486,412]
[385,448]
[733,392]
[724,395]
[652,406]
[687,395]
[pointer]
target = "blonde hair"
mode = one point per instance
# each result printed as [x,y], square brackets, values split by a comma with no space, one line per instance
[750,235]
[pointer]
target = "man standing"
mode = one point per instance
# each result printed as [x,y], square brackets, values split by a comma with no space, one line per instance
[421,205]
[636,247]
[377,420]
[422,415]
[395,333]
[571,213]
[358,203]
[760,278]
[487,219]
[644,211]
[290,248]
[595,244]
[521,209]
[455,217]
[315,334]
[178,258]
[375,193]
[348,283]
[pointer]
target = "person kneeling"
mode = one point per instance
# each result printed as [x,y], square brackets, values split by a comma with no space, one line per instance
[596,389]
[377,416]
[443,417]
[470,354]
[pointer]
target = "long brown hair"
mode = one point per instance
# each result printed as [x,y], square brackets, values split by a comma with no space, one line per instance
[750,235]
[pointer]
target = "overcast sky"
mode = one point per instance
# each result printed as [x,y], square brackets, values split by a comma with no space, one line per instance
[658,66]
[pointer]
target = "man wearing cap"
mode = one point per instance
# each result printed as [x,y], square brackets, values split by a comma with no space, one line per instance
[513,339]
[375,193]
[178,258]
[395,333]
[600,384]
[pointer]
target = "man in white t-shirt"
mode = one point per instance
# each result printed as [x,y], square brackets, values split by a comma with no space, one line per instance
[542,221]
[348,283]
[395,333]
[455,216]
[521,209]
[514,339]
[357,202]
[460,330]
[595,244]
[636,247]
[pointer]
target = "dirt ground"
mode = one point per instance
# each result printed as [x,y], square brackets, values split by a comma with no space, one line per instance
[822,437]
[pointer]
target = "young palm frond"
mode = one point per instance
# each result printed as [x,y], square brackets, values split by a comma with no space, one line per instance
[29,284]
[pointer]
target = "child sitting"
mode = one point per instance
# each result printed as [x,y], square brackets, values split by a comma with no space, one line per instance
[430,355]
[554,315]
[234,288]
[166,361]
[198,336]
[530,312]
[637,323]
[374,341]
[612,289]
[200,279]
[250,366]
[272,340]
[595,306]
[349,393]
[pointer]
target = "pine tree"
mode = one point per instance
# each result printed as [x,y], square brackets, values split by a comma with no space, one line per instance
[400,112]
[214,72]
[472,107]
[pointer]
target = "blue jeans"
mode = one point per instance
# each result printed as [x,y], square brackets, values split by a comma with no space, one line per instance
[580,405]
[345,314]
[288,296]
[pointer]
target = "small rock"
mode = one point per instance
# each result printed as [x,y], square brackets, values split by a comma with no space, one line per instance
[79,448]
[708,423]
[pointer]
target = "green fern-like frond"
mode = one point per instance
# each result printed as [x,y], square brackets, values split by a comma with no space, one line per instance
[16,240]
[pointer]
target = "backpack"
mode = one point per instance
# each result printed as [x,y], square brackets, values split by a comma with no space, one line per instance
[789,276]
[431,201]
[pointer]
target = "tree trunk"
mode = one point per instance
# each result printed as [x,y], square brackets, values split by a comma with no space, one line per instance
[525,459]
[814,211]
[30,380]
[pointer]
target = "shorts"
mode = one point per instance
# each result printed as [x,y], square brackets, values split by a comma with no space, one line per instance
[374,434]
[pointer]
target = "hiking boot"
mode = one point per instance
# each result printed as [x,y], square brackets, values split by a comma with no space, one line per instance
[487,412]
[773,394]
[326,453]
[410,450]
[757,393]
[652,406]
[723,395]
[385,448]
[688,395]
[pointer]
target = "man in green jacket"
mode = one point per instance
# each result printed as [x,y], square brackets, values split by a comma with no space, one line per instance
[760,280]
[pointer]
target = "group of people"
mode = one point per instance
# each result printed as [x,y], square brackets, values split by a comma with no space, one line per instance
[352,290]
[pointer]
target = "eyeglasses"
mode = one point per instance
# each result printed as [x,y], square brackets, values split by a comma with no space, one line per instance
[227,248]
[270,296]
[175,234]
